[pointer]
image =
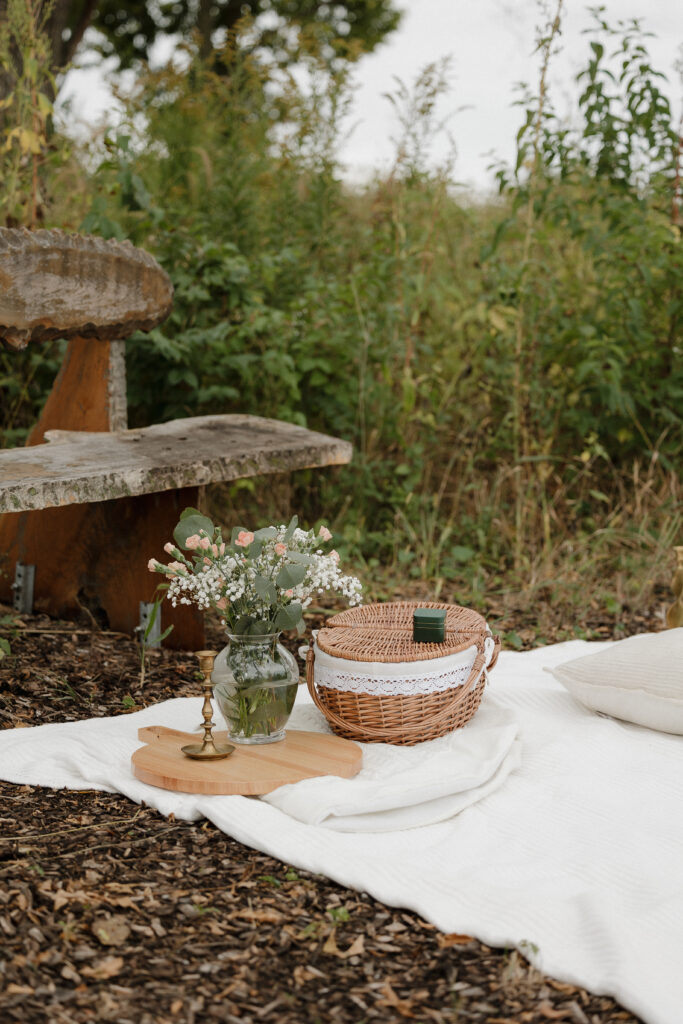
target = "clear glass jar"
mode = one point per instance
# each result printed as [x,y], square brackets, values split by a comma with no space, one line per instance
[255,682]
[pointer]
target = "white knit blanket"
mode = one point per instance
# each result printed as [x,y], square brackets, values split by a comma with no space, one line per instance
[576,857]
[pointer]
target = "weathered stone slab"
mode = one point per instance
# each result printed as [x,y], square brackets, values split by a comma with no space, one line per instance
[58,285]
[77,467]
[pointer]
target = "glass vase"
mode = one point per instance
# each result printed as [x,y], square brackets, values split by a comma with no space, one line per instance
[255,682]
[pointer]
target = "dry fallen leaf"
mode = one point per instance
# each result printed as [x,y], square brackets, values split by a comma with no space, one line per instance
[402,1006]
[108,967]
[18,990]
[356,949]
[453,939]
[63,896]
[303,974]
[259,916]
[111,931]
[548,1013]
[125,902]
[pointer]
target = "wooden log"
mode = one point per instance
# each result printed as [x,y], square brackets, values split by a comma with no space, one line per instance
[75,468]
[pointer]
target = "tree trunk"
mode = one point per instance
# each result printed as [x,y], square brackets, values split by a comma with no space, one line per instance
[71,19]
[205,26]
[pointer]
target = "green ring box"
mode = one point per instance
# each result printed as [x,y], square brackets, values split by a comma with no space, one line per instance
[429,625]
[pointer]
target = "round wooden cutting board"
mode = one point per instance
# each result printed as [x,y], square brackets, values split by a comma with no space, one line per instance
[250,770]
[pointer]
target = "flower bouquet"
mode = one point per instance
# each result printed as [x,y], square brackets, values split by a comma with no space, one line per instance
[261,582]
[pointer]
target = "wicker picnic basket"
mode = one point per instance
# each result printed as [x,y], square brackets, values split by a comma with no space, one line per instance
[382,634]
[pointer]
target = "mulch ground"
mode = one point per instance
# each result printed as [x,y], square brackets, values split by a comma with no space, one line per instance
[111,912]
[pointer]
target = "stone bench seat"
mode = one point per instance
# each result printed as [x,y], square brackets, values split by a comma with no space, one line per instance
[77,467]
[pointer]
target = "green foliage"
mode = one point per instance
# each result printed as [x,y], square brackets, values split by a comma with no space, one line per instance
[593,344]
[25,380]
[30,155]
[509,372]
[291,27]
[26,91]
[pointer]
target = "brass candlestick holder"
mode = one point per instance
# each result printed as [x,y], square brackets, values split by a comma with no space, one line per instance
[207,750]
[674,615]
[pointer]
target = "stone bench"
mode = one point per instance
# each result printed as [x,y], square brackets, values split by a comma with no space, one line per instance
[87,501]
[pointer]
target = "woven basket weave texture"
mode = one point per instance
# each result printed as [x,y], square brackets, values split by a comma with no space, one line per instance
[384,633]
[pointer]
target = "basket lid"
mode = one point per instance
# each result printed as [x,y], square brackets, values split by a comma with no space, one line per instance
[384,632]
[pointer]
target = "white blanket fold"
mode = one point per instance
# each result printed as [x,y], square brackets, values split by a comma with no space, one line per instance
[577,858]
[407,787]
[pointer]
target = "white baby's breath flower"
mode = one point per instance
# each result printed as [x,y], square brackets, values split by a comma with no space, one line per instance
[244,582]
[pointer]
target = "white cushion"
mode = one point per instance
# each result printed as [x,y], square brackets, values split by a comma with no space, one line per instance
[638,680]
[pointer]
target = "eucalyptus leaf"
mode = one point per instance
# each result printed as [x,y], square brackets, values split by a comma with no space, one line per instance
[290,576]
[259,627]
[265,533]
[265,589]
[186,513]
[242,624]
[299,557]
[289,616]
[290,529]
[284,620]
[254,550]
[191,525]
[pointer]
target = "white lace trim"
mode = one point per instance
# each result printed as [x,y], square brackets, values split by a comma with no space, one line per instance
[403,679]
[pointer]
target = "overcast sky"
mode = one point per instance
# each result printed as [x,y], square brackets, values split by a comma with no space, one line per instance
[491,45]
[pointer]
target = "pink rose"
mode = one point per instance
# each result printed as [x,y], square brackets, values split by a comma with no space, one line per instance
[324,533]
[222,549]
[289,593]
[176,566]
[280,549]
[152,565]
[168,548]
[222,604]
[334,556]
[214,548]
[205,543]
[244,538]
[193,542]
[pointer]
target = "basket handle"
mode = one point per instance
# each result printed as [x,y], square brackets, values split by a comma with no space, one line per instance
[461,694]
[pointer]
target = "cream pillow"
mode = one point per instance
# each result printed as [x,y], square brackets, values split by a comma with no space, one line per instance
[638,680]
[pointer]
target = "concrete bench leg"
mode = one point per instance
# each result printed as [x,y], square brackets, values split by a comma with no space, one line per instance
[95,557]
